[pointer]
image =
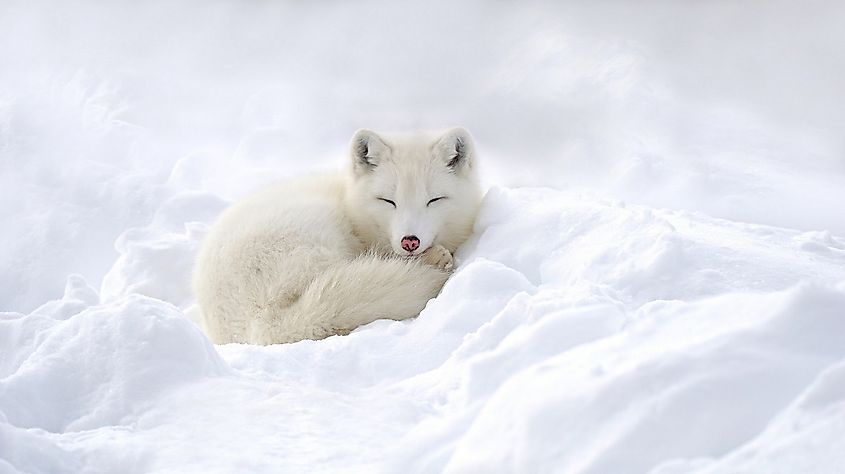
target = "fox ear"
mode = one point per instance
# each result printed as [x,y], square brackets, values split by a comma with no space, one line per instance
[456,149]
[367,150]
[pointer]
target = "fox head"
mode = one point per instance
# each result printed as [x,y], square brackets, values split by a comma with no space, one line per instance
[409,192]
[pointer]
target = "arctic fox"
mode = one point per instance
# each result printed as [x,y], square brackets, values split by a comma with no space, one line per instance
[320,256]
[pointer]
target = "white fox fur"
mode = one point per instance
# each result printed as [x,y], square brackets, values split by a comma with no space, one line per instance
[319,256]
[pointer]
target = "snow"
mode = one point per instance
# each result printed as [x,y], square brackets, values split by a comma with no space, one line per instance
[614,337]
[656,282]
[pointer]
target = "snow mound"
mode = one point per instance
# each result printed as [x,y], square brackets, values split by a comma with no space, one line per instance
[102,364]
[630,400]
[578,334]
[156,260]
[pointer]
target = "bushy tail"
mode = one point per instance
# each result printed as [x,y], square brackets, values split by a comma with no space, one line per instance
[349,295]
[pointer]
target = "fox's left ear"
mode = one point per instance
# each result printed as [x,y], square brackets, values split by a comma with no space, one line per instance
[456,149]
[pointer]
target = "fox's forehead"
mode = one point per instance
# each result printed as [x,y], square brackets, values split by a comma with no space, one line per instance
[411,157]
[409,139]
[409,177]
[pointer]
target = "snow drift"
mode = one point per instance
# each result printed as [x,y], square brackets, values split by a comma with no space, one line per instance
[578,335]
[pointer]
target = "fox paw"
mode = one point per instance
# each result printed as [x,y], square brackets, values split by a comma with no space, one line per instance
[438,257]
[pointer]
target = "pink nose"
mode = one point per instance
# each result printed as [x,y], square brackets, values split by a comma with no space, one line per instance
[410,243]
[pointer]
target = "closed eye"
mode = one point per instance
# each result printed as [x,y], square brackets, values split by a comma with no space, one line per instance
[435,200]
[387,201]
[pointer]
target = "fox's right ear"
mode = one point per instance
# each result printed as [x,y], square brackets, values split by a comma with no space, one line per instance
[456,149]
[367,149]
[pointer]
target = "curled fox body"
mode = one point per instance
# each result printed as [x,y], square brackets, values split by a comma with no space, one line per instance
[319,256]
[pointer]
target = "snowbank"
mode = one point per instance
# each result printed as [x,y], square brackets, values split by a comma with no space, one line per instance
[578,335]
